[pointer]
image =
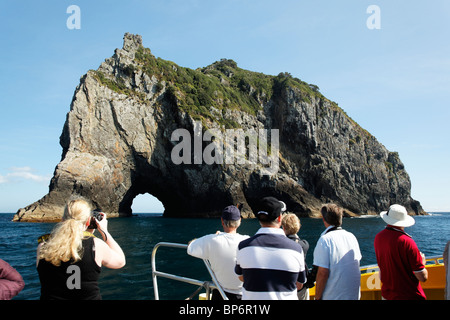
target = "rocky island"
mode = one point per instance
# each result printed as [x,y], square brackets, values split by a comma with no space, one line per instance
[138,123]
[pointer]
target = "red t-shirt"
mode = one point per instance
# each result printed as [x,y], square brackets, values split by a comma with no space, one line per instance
[398,257]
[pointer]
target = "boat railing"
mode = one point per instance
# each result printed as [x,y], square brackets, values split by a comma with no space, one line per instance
[207,285]
[432,260]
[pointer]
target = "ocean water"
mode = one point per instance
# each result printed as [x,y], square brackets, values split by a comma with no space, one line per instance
[138,235]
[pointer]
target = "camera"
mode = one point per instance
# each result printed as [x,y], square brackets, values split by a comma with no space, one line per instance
[311,277]
[95,215]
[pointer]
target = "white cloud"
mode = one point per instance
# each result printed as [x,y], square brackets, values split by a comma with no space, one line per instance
[23,173]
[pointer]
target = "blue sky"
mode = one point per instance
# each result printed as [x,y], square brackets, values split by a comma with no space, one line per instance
[394,81]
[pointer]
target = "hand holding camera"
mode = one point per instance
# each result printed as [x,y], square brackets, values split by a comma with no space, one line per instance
[97,222]
[96,215]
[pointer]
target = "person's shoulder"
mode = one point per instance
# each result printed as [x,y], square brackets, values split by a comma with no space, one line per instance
[229,238]
[349,234]
[242,236]
[327,239]
[215,237]
[292,245]
[407,240]
[304,244]
[212,236]
[202,241]
[97,241]
[247,241]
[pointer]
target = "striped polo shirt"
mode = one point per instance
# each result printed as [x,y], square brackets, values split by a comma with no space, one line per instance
[271,264]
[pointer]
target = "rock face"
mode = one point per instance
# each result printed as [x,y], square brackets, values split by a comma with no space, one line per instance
[134,119]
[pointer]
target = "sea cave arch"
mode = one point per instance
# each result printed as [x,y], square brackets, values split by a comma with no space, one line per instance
[146,185]
[182,190]
[147,203]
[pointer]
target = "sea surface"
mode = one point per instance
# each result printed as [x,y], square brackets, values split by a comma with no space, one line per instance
[138,235]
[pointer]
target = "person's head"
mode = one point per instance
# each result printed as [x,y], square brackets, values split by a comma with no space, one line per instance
[290,223]
[231,217]
[332,214]
[397,216]
[79,210]
[269,212]
[65,242]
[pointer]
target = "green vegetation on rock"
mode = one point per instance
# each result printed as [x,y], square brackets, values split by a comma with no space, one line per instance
[207,93]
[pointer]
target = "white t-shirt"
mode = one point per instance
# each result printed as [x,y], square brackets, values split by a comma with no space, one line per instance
[220,249]
[338,251]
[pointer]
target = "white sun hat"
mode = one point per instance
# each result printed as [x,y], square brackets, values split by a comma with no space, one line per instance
[397,216]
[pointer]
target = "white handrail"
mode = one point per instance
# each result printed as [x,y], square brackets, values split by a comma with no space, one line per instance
[206,284]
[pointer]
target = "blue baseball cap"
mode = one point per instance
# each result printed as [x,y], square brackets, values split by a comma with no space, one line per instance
[231,213]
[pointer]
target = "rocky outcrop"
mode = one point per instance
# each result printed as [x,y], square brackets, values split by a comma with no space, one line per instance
[139,124]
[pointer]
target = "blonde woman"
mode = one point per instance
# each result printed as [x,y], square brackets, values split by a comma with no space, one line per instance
[69,262]
[291,226]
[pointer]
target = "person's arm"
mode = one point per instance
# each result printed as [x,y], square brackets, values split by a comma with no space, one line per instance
[199,247]
[238,271]
[322,264]
[108,252]
[237,268]
[11,282]
[301,279]
[321,281]
[422,275]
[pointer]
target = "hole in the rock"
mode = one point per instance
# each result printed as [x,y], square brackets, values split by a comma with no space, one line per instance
[146,203]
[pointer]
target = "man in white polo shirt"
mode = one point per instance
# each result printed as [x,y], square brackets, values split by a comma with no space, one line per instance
[337,257]
[271,265]
[220,249]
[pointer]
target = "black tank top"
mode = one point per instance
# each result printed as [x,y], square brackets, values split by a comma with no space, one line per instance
[71,281]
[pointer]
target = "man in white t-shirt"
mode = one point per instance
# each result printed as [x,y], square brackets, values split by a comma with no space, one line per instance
[337,256]
[220,249]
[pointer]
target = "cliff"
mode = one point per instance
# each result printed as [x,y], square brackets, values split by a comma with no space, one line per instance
[140,124]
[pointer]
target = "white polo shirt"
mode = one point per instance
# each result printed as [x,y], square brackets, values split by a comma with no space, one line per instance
[220,249]
[338,251]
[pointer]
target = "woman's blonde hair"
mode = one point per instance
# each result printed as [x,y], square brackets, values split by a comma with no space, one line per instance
[65,242]
[290,223]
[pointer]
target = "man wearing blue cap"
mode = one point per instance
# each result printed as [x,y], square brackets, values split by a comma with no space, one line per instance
[220,249]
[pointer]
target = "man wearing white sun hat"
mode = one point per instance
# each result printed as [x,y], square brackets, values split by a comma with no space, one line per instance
[402,265]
